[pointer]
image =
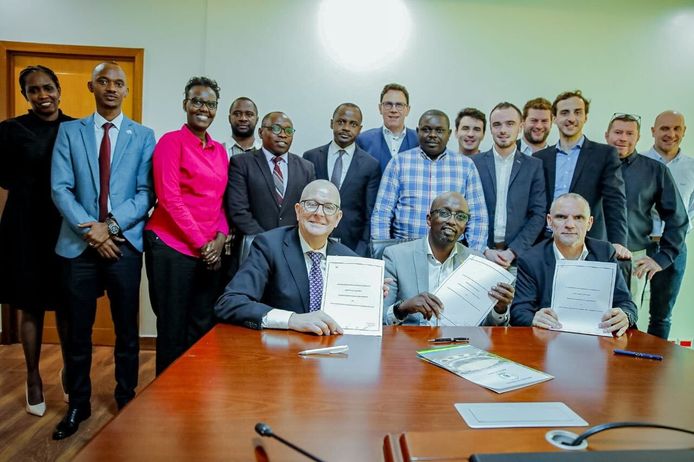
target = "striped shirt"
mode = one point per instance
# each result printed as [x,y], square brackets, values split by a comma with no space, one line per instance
[412,181]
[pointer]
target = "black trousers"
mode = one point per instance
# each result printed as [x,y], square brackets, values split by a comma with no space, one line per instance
[85,279]
[183,293]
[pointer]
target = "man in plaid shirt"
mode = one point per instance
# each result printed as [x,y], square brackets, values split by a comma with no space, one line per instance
[413,179]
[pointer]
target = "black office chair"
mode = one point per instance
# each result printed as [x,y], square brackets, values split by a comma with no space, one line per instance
[377,246]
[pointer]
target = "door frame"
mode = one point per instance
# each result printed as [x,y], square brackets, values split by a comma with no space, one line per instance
[8,93]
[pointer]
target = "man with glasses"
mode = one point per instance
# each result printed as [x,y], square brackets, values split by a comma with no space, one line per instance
[265,184]
[569,218]
[354,172]
[280,285]
[514,189]
[668,131]
[386,142]
[417,268]
[576,164]
[470,125]
[415,177]
[243,117]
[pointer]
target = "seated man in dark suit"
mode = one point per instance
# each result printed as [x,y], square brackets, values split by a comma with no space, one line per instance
[280,284]
[514,189]
[417,268]
[354,172]
[570,220]
[385,142]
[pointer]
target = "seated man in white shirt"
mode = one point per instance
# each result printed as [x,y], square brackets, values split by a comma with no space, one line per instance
[280,284]
[417,268]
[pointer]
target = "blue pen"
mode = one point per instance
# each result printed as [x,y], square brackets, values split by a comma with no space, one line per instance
[637,354]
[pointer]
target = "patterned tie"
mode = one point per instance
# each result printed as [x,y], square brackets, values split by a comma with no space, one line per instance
[104,171]
[336,177]
[315,282]
[278,179]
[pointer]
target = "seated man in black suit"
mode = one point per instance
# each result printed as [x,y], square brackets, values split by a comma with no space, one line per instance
[570,220]
[280,284]
[355,173]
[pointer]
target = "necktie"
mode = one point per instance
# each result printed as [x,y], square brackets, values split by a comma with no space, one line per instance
[315,282]
[336,177]
[278,179]
[104,171]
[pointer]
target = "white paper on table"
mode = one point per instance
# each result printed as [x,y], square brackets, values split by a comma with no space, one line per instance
[509,415]
[581,293]
[353,294]
[465,293]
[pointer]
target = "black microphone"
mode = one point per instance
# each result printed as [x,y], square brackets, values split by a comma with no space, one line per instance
[264,429]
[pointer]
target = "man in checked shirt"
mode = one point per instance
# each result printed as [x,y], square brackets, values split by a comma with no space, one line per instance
[415,177]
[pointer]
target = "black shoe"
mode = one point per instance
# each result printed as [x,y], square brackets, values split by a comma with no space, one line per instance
[71,422]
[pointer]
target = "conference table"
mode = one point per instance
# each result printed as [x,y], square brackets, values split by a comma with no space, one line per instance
[380,402]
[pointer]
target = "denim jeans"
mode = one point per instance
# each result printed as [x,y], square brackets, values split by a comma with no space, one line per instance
[665,286]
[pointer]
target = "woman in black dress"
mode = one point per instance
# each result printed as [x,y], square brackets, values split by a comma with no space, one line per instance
[29,267]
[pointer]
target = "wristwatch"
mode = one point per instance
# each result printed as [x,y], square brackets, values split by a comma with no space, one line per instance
[113,228]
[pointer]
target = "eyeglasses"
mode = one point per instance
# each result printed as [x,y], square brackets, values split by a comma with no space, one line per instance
[388,105]
[445,214]
[311,206]
[197,103]
[277,129]
[626,117]
[426,131]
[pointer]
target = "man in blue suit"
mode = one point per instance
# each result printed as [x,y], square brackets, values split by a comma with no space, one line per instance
[514,189]
[101,184]
[354,172]
[280,284]
[570,220]
[386,142]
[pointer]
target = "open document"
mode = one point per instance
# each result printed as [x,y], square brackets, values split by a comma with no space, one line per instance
[465,293]
[353,294]
[581,293]
[483,368]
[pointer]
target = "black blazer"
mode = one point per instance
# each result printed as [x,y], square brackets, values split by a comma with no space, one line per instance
[250,197]
[357,195]
[526,201]
[598,178]
[273,276]
[536,276]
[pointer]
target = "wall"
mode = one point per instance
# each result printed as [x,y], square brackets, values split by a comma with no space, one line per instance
[627,56]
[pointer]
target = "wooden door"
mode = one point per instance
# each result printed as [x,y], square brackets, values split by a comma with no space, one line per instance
[73,66]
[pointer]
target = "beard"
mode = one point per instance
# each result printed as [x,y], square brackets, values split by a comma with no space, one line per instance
[242,133]
[531,137]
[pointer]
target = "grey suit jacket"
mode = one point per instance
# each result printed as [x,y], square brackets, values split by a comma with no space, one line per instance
[526,201]
[407,265]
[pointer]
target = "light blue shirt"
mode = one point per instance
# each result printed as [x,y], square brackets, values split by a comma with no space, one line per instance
[284,167]
[566,164]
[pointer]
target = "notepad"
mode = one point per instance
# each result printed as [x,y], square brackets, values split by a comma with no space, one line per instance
[511,415]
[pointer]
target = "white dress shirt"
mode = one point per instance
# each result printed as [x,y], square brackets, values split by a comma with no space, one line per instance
[284,166]
[502,167]
[113,132]
[333,155]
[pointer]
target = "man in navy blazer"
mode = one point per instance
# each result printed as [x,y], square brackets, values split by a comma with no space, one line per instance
[576,164]
[514,189]
[101,184]
[354,172]
[570,220]
[386,142]
[280,284]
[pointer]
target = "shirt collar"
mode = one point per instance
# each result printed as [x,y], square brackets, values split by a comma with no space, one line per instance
[397,136]
[334,148]
[430,253]
[257,144]
[269,156]
[193,139]
[629,160]
[662,159]
[526,147]
[577,147]
[305,248]
[99,121]
[559,256]
[441,156]
[498,158]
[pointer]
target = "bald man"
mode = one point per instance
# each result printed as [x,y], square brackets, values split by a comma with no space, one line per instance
[280,284]
[101,184]
[668,131]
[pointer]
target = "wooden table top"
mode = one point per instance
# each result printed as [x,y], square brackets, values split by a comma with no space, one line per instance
[341,407]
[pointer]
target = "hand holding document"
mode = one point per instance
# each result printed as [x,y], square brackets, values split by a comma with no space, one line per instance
[581,293]
[465,293]
[353,294]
